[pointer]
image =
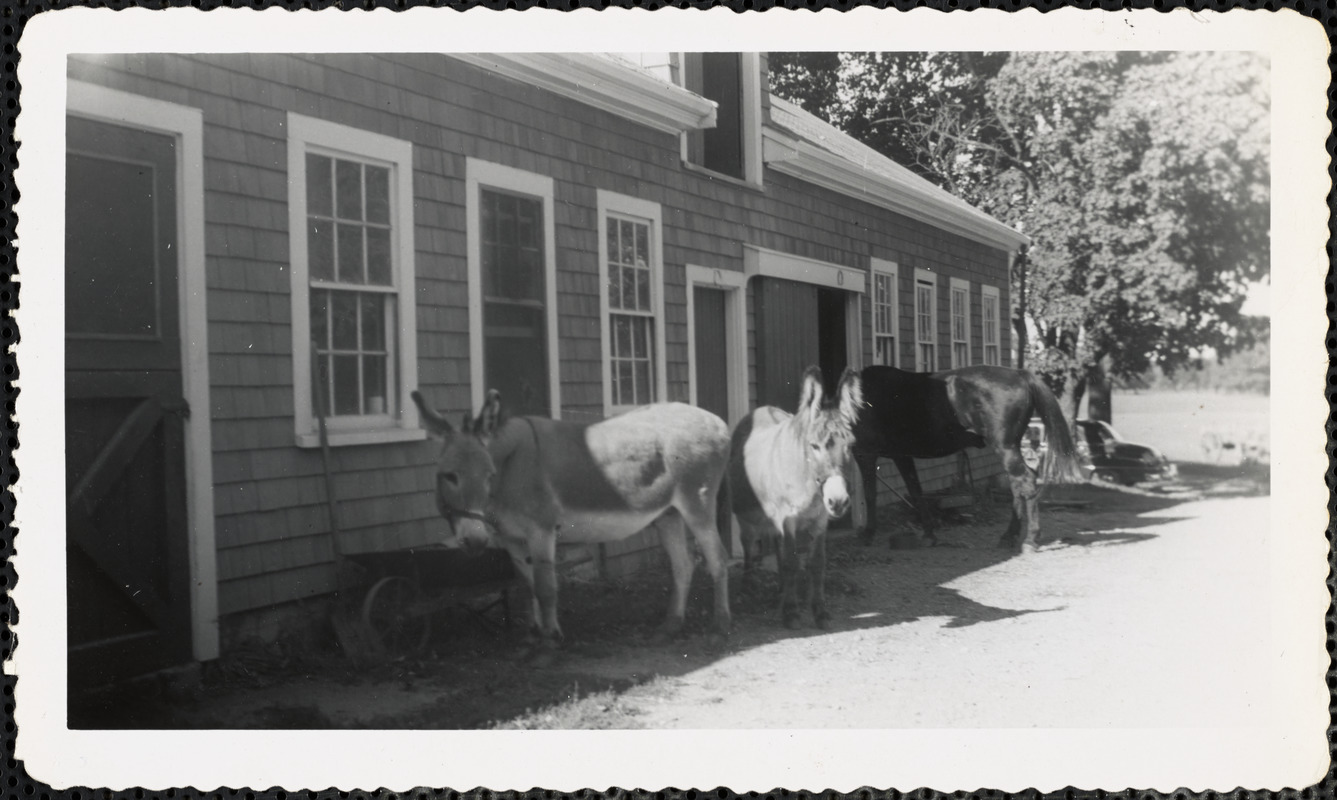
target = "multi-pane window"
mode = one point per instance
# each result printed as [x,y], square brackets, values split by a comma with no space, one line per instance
[351,279]
[350,223]
[885,322]
[989,299]
[926,298]
[515,351]
[960,323]
[631,313]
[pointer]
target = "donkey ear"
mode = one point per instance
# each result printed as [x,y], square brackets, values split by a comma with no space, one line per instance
[432,422]
[850,396]
[489,417]
[810,394]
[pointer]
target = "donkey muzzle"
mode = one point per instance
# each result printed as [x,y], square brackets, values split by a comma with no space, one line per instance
[468,531]
[836,496]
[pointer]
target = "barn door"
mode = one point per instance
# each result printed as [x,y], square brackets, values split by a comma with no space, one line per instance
[787,340]
[126,536]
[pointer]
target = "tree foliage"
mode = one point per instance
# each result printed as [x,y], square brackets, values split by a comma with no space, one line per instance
[1141,178]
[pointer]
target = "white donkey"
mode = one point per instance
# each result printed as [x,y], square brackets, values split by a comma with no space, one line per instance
[535,482]
[787,479]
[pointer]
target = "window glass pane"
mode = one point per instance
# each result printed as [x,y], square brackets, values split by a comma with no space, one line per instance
[320,249]
[320,326]
[350,254]
[614,283]
[346,393]
[344,308]
[373,322]
[348,189]
[622,336]
[378,256]
[643,245]
[643,382]
[629,278]
[373,385]
[639,336]
[626,383]
[628,254]
[319,192]
[378,194]
[322,383]
[643,290]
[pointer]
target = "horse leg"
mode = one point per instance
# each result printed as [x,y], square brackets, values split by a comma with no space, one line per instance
[674,540]
[817,581]
[867,463]
[704,529]
[1024,528]
[910,474]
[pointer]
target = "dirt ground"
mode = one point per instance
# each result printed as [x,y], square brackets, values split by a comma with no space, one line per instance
[1146,597]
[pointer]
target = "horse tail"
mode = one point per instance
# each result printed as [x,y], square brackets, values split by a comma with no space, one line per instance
[1060,463]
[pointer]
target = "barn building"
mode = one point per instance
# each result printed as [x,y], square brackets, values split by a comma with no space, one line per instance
[263,236]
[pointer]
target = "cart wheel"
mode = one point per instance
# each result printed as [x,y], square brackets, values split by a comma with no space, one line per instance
[389,613]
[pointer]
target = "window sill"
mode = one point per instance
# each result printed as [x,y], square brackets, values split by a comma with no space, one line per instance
[741,183]
[374,436]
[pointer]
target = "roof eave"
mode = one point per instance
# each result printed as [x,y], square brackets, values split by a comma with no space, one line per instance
[803,160]
[604,84]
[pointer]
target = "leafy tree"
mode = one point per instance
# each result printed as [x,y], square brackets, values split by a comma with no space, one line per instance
[1141,178]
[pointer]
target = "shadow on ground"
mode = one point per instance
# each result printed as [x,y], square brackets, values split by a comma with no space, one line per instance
[475,676]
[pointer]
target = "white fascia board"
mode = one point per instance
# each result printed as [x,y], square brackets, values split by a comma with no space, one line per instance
[814,165]
[604,84]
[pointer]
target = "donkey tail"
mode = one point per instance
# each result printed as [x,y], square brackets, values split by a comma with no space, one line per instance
[1060,463]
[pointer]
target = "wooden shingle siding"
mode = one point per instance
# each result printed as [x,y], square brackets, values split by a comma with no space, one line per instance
[271,510]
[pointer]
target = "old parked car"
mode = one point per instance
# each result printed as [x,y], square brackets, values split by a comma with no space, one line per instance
[1104,454]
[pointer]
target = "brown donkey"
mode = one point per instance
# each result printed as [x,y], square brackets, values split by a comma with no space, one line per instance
[528,483]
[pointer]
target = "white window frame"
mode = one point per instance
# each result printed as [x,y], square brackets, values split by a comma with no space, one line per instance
[481,175]
[891,271]
[924,276]
[958,286]
[750,64]
[398,424]
[621,205]
[986,293]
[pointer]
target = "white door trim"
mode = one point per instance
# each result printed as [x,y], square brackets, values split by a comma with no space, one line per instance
[186,126]
[734,284]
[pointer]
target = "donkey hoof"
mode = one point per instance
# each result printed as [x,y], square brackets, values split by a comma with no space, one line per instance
[717,642]
[790,619]
[822,619]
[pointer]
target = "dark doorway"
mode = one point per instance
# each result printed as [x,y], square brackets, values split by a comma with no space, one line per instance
[712,362]
[832,355]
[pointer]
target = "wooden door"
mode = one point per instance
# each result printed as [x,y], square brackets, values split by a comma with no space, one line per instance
[787,340]
[126,536]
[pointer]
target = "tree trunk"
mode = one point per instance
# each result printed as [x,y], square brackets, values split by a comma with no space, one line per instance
[1100,405]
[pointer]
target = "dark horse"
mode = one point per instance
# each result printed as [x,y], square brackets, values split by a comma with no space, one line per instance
[911,415]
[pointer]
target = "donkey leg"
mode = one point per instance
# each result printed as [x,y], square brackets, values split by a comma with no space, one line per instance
[817,581]
[524,567]
[674,540]
[543,562]
[712,549]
